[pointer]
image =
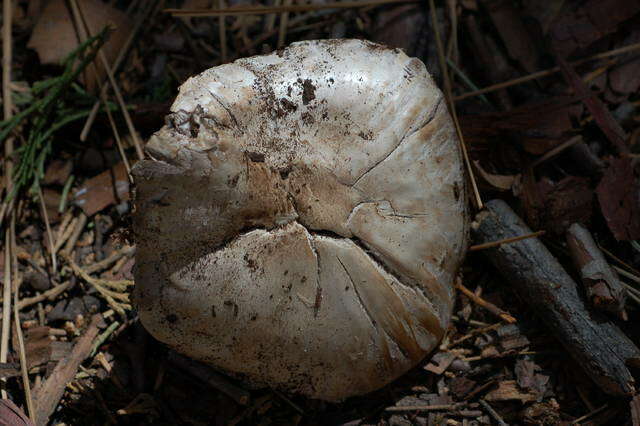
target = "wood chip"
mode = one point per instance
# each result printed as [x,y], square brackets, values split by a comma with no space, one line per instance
[440,362]
[508,390]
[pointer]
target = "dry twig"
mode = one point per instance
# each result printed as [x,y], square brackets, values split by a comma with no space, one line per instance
[505,316]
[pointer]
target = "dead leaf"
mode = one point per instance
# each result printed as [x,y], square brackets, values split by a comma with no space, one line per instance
[54,35]
[619,198]
[108,188]
[11,415]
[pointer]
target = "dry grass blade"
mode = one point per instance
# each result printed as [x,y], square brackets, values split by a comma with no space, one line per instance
[545,73]
[77,230]
[452,108]
[22,351]
[6,303]
[492,244]
[47,225]
[263,10]
[7,55]
[65,232]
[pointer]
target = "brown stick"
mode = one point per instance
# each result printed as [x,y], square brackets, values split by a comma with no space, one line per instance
[48,395]
[593,341]
[604,289]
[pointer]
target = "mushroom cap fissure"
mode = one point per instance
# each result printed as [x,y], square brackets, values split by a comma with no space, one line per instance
[302,218]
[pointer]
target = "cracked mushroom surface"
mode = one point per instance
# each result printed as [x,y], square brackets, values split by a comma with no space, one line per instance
[302,218]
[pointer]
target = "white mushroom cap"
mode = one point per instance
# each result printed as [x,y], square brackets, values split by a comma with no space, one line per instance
[303,218]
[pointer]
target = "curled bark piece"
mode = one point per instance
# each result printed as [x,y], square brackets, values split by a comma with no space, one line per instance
[593,341]
[600,281]
[302,218]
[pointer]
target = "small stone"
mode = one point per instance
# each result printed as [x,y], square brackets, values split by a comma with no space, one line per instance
[36,280]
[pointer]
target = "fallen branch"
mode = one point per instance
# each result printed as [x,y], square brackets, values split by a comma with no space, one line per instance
[595,342]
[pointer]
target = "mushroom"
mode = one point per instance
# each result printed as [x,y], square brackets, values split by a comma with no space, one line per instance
[302,218]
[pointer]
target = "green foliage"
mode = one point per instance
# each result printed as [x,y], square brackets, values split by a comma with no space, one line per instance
[47,113]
